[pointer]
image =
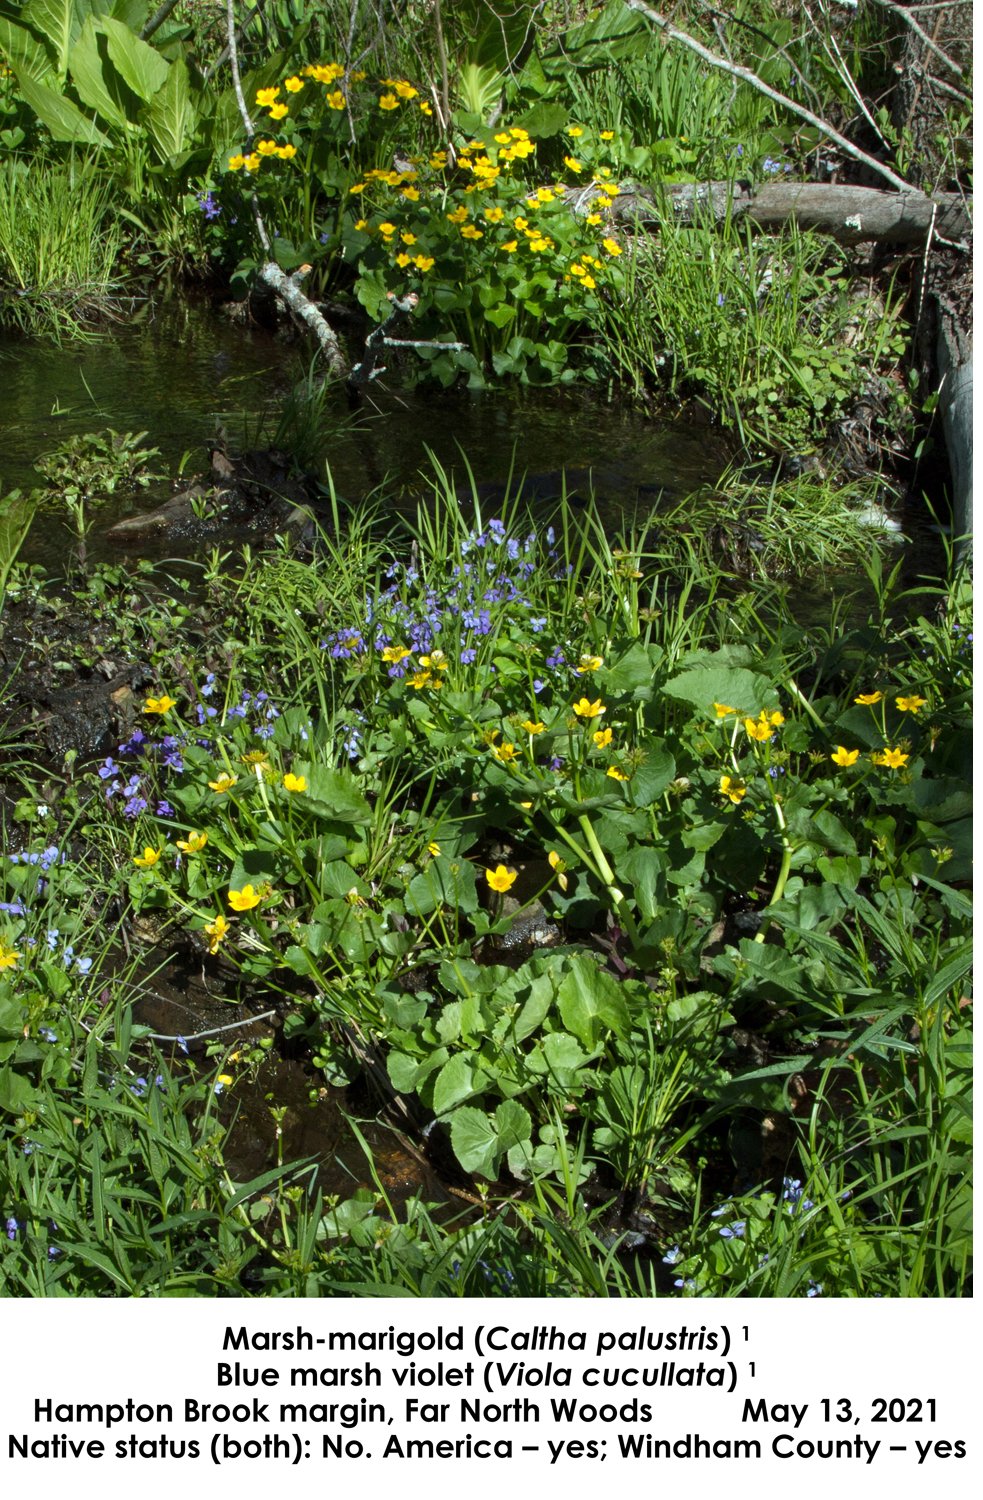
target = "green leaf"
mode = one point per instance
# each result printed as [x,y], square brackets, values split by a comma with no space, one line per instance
[87,71]
[591,1002]
[332,794]
[17,1093]
[644,868]
[739,688]
[59,115]
[633,672]
[475,1141]
[22,50]
[650,779]
[140,65]
[57,20]
[171,114]
[454,1083]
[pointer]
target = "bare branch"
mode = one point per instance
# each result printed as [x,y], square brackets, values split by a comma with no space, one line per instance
[737,71]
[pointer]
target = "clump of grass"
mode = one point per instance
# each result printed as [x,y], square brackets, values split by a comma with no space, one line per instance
[60,241]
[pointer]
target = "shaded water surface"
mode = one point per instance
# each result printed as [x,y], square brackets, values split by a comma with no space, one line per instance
[182,373]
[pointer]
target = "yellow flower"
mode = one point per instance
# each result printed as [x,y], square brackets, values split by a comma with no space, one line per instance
[419,679]
[362,224]
[459,215]
[611,188]
[286,153]
[437,661]
[587,710]
[402,260]
[503,139]
[469,232]
[406,90]
[732,787]
[225,783]
[388,101]
[723,710]
[573,164]
[216,932]
[612,247]
[236,163]
[433,848]
[278,111]
[774,719]
[387,229]
[294,783]
[225,1079]
[266,97]
[757,730]
[335,100]
[493,215]
[506,752]
[892,758]
[411,194]
[439,160]
[8,956]
[532,728]
[251,162]
[424,107]
[159,705]
[615,774]
[395,654]
[245,899]
[293,85]
[607,135]
[258,762]
[266,148]
[911,704]
[193,844]
[423,262]
[558,866]
[407,238]
[540,243]
[148,858]
[589,283]
[868,699]
[593,219]
[510,247]
[500,879]
[844,757]
[588,664]
[603,738]
[574,130]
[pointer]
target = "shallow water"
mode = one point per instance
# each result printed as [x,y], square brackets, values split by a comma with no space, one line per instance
[182,373]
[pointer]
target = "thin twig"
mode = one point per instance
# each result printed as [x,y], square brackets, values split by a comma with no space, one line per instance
[737,71]
[909,20]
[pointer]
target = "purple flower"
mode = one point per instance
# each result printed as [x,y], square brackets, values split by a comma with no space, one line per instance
[12,1228]
[209,207]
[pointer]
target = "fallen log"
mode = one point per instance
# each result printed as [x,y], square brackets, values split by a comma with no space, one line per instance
[847,214]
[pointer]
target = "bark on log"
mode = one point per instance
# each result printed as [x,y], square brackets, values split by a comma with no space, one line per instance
[848,214]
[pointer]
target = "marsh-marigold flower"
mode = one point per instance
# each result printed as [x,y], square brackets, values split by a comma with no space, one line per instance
[223,783]
[8,956]
[216,932]
[584,709]
[388,101]
[433,848]
[532,726]
[615,774]
[603,737]
[868,699]
[588,664]
[245,899]
[395,654]
[723,710]
[193,844]
[294,783]
[758,730]
[500,879]
[733,787]
[266,97]
[160,705]
[844,757]
[506,752]
[279,111]
[893,758]
[293,85]
[148,858]
[911,704]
